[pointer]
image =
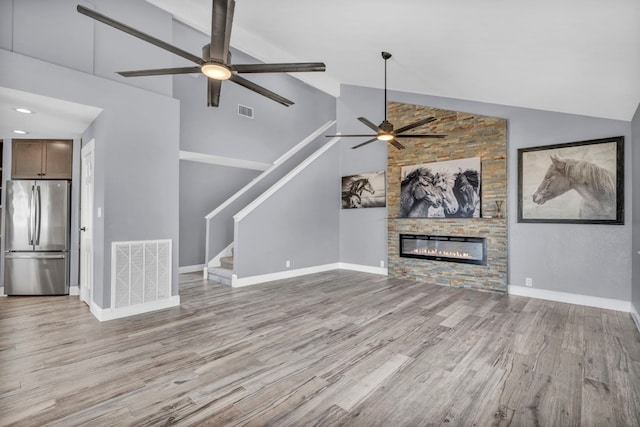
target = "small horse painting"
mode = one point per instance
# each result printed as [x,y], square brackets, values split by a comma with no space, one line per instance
[435,190]
[363,191]
[576,182]
[594,184]
[353,196]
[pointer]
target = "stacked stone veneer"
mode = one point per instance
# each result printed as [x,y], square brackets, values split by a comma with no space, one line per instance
[468,135]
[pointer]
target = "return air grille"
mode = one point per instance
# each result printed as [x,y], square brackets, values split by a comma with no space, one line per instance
[245,111]
[141,272]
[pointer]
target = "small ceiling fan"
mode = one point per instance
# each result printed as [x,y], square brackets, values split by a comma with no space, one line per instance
[384,131]
[216,58]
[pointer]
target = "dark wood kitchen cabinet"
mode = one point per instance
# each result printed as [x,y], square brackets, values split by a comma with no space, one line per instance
[41,159]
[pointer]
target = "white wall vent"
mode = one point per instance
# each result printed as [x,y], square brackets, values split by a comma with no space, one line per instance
[245,111]
[140,272]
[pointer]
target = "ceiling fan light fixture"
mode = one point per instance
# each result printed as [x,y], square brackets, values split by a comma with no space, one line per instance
[216,71]
[385,136]
[385,131]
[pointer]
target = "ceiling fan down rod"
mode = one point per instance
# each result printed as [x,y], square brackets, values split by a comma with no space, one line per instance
[385,56]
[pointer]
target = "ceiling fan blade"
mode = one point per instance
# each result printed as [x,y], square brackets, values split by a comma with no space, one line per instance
[159,71]
[370,124]
[259,89]
[139,34]
[416,124]
[396,144]
[296,67]
[221,23]
[408,135]
[364,143]
[353,136]
[213,92]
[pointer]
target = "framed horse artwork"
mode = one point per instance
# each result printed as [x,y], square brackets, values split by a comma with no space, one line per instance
[577,182]
[447,189]
[365,190]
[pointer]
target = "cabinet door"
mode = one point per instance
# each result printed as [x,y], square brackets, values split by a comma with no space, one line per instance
[26,159]
[57,159]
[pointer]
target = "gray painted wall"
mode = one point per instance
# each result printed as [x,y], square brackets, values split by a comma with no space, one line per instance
[222,132]
[363,232]
[53,31]
[300,223]
[202,187]
[6,24]
[635,188]
[590,260]
[136,150]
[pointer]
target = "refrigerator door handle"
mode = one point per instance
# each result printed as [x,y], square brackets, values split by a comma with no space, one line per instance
[31,216]
[33,255]
[38,214]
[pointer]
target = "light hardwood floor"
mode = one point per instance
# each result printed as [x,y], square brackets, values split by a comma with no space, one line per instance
[337,348]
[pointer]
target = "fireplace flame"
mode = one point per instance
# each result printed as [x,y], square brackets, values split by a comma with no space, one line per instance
[437,252]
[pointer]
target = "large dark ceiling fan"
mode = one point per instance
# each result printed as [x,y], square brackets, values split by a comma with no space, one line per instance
[384,131]
[216,58]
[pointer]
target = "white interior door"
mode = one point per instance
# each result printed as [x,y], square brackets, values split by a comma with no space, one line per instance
[86,223]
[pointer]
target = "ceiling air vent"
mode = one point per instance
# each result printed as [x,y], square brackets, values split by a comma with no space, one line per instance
[245,111]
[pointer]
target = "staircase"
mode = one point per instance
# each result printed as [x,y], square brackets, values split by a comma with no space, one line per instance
[223,273]
[220,223]
[227,262]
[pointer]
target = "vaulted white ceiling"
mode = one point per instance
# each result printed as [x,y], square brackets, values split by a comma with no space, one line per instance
[572,56]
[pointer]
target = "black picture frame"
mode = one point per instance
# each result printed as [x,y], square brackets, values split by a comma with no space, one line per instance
[572,183]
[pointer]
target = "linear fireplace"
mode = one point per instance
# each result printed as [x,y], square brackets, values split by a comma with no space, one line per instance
[467,250]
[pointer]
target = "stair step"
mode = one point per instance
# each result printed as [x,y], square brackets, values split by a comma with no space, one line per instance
[220,275]
[227,262]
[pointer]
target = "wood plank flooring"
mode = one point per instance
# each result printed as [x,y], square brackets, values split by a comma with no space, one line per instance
[337,348]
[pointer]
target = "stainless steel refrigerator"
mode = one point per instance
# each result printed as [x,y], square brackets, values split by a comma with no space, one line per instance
[37,237]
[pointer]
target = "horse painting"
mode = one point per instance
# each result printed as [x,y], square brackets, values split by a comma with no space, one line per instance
[352,198]
[417,194]
[466,191]
[425,194]
[594,184]
[441,189]
[443,182]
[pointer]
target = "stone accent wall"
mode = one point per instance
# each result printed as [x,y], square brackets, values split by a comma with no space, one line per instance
[468,135]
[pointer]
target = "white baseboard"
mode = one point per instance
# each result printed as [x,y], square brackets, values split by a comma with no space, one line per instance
[104,314]
[635,316]
[190,268]
[364,268]
[599,302]
[254,280]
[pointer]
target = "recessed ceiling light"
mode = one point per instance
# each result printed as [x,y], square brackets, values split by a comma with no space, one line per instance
[20,132]
[23,110]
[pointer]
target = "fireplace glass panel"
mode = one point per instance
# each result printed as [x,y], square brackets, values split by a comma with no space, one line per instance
[468,250]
